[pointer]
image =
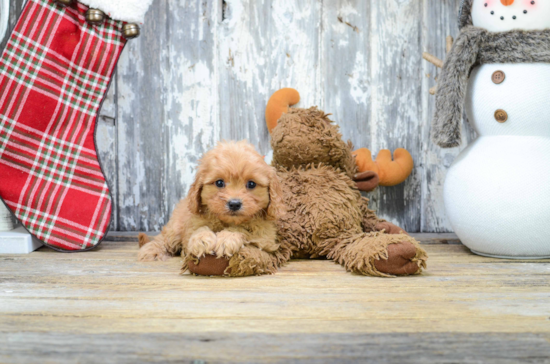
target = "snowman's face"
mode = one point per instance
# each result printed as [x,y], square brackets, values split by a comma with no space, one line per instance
[504,15]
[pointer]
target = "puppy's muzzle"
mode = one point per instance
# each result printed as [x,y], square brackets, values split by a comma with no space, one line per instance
[234,205]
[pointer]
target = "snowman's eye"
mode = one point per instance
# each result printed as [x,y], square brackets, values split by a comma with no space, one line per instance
[524,11]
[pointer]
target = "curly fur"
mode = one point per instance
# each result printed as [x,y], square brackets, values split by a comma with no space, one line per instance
[475,46]
[305,136]
[465,13]
[202,223]
[326,214]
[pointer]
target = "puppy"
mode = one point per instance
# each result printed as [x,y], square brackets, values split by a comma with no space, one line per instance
[231,208]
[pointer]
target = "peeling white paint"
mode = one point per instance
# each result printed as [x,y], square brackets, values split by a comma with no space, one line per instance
[202,78]
[358,89]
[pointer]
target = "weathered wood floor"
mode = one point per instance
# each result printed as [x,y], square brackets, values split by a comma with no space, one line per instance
[104,306]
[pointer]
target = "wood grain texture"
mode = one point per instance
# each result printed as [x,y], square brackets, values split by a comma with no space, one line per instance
[218,347]
[395,107]
[264,46]
[140,126]
[346,66]
[106,144]
[111,308]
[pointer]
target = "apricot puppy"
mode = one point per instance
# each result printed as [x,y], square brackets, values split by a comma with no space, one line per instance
[230,213]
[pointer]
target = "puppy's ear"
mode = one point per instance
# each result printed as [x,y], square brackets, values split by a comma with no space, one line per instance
[194,195]
[276,206]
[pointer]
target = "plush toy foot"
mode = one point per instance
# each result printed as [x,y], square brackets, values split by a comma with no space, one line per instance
[251,261]
[378,254]
[400,255]
[209,265]
[223,245]
[248,261]
[399,262]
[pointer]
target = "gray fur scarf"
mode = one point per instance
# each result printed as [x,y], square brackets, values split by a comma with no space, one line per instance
[475,46]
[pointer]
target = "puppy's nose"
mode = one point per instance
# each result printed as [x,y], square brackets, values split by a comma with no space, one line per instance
[235,205]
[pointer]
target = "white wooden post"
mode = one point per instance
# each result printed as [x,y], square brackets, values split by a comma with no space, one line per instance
[14,239]
[7,222]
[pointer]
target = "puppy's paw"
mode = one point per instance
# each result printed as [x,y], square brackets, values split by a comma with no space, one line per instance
[228,243]
[202,242]
[152,252]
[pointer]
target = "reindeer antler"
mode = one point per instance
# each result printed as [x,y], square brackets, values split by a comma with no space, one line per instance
[390,172]
[436,61]
[278,104]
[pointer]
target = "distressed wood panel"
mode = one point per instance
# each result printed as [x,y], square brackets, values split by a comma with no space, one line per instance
[106,144]
[396,101]
[141,119]
[190,94]
[346,67]
[263,46]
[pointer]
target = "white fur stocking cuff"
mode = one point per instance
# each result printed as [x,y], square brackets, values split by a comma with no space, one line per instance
[131,11]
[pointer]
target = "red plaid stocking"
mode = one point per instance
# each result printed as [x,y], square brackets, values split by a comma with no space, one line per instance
[54,74]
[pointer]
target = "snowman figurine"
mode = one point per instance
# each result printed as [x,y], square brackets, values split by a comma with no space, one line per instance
[497,192]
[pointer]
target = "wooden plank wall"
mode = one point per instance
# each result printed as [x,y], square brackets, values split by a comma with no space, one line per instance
[203,71]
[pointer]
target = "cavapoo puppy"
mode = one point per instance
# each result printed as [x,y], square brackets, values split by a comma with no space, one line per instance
[228,218]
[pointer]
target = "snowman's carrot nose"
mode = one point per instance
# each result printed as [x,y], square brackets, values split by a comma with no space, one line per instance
[507,2]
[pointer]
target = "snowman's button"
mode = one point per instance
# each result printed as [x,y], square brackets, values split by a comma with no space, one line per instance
[498,77]
[501,116]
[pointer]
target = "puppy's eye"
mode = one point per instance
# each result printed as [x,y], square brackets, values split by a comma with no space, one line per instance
[220,183]
[251,185]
